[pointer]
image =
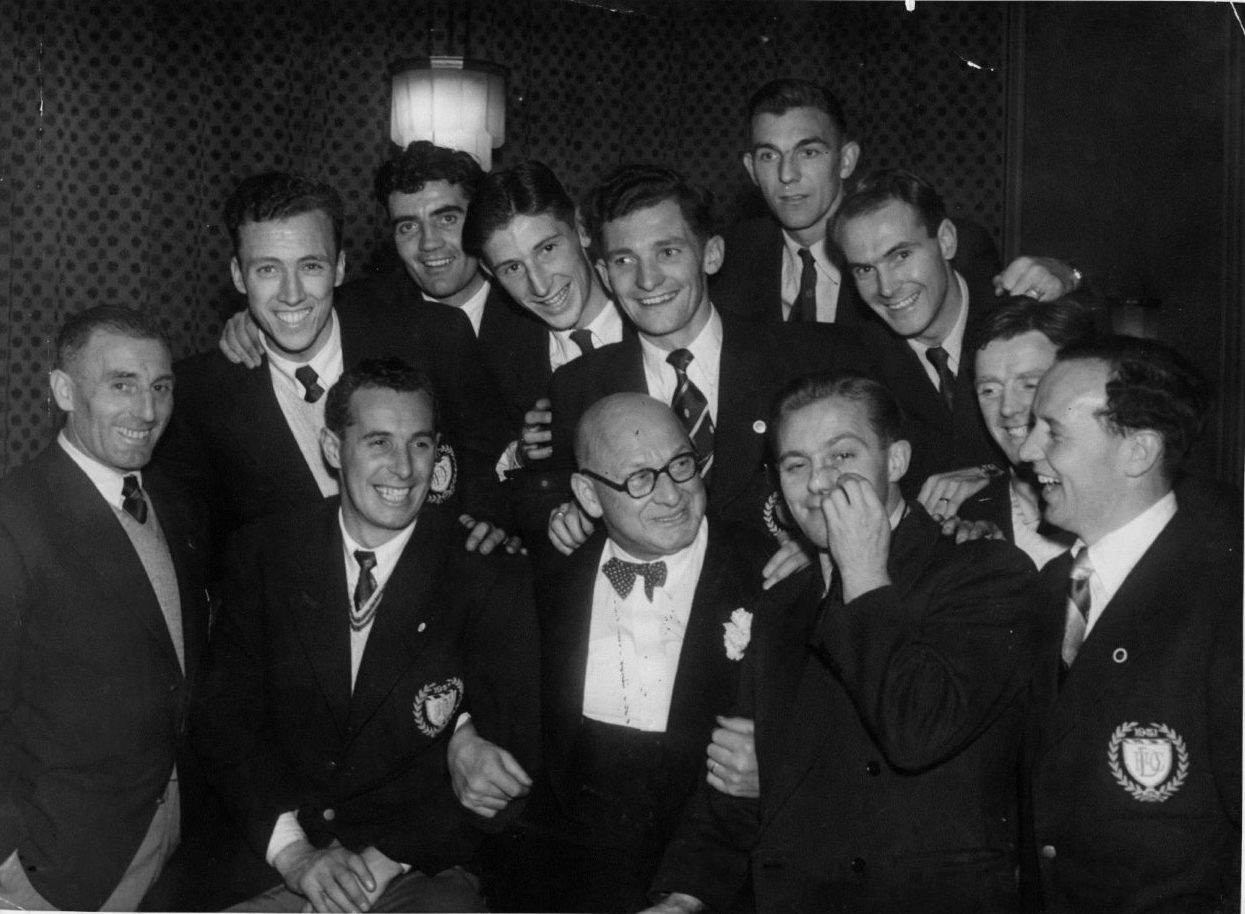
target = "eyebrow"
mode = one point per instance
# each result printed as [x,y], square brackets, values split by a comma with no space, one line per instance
[887,253]
[828,443]
[806,141]
[544,241]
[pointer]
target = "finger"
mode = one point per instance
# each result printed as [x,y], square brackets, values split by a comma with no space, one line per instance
[362,872]
[515,770]
[514,546]
[744,726]
[560,539]
[494,538]
[476,536]
[537,417]
[534,436]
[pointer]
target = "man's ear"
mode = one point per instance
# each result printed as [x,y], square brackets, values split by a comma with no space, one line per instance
[605,277]
[63,388]
[750,167]
[898,456]
[947,240]
[849,155]
[586,495]
[714,255]
[581,229]
[1143,452]
[340,275]
[235,270]
[331,445]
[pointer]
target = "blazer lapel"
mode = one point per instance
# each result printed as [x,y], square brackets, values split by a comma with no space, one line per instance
[97,538]
[742,374]
[406,609]
[704,671]
[320,604]
[264,435]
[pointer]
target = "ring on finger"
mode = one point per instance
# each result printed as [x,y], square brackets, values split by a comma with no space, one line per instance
[1035,294]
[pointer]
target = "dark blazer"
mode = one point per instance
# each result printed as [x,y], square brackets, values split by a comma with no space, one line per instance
[750,281]
[229,441]
[706,682]
[93,702]
[887,735]
[756,360]
[279,728]
[1165,656]
[515,348]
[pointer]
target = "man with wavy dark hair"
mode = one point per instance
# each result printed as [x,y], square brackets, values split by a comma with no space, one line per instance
[1135,768]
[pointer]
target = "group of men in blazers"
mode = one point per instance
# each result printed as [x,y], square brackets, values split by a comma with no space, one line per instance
[628,715]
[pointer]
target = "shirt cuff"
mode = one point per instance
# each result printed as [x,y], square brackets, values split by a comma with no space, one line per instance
[284,833]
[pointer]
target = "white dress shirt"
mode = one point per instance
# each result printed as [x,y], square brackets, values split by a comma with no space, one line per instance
[107,481]
[1117,553]
[828,278]
[306,420]
[472,307]
[634,643]
[703,371]
[606,328]
[953,344]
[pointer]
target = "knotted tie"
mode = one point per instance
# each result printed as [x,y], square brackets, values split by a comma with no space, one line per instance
[690,405]
[364,608]
[583,339]
[311,383]
[623,574]
[1078,606]
[946,380]
[804,308]
[132,499]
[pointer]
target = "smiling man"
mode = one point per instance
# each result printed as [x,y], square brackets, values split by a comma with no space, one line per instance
[656,251]
[103,620]
[898,245]
[1135,767]
[352,636]
[247,439]
[887,682]
[633,669]
[800,156]
[524,227]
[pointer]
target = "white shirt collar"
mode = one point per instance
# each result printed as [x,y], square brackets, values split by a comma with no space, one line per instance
[327,363]
[606,328]
[472,307]
[107,480]
[706,350]
[954,342]
[1117,553]
[387,553]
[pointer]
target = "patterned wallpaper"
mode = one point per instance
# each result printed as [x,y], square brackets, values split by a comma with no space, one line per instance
[124,124]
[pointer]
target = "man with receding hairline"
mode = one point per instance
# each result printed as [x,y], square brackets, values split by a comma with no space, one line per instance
[103,619]
[635,665]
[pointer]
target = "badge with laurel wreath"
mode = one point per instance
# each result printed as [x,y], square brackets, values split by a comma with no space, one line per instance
[1147,755]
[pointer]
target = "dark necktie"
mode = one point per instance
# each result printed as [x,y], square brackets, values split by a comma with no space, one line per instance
[363,611]
[583,339]
[311,383]
[690,405]
[804,308]
[1078,606]
[623,574]
[946,380]
[132,499]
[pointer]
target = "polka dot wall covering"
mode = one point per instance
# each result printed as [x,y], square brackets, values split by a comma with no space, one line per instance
[123,126]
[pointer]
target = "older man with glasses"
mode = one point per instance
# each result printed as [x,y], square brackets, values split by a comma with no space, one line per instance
[642,631]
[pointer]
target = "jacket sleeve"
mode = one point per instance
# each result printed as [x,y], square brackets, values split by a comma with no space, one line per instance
[932,666]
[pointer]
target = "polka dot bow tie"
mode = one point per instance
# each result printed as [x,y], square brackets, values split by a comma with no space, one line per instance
[623,574]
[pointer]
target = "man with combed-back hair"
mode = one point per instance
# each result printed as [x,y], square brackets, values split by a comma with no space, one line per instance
[1135,760]
[103,620]
[353,636]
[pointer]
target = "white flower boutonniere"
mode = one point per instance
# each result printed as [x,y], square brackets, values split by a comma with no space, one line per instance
[738,633]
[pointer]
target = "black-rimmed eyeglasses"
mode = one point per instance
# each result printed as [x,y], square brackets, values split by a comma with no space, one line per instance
[681,468]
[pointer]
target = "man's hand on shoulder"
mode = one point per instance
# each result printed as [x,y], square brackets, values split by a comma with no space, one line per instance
[569,527]
[331,879]
[536,442]
[676,903]
[484,776]
[485,537]
[790,558]
[242,341]
[1042,278]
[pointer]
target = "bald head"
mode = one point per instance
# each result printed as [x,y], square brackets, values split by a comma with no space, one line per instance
[625,434]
